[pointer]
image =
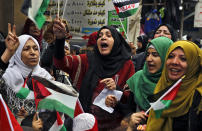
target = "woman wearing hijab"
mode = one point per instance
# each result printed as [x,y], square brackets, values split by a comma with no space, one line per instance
[30,28]
[24,61]
[11,43]
[142,42]
[109,66]
[143,82]
[185,111]
[138,58]
[165,30]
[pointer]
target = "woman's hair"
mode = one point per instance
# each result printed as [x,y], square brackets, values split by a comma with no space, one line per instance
[144,40]
[171,30]
[197,42]
[26,29]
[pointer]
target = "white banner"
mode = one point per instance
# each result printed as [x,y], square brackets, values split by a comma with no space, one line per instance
[198,15]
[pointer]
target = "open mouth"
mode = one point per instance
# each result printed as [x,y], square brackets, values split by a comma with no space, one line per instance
[174,71]
[151,65]
[104,45]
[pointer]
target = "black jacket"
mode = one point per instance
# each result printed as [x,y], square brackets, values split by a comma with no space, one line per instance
[190,121]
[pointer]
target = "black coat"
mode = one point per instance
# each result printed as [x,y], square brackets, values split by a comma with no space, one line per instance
[190,121]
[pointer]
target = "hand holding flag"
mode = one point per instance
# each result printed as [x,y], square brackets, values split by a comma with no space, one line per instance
[37,123]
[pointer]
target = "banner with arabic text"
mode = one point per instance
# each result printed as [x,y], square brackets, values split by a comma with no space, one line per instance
[86,16]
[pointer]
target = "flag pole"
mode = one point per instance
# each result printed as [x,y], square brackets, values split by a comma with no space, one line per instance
[58,8]
[124,30]
[64,9]
[165,94]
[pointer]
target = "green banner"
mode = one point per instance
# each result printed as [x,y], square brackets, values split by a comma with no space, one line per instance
[113,19]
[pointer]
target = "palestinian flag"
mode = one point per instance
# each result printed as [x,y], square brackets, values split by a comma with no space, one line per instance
[78,108]
[59,124]
[166,99]
[7,119]
[125,8]
[35,9]
[24,92]
[46,98]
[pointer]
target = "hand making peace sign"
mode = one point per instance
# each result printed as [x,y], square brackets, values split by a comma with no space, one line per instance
[12,44]
[11,40]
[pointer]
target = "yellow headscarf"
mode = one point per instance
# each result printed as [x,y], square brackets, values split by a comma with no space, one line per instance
[192,82]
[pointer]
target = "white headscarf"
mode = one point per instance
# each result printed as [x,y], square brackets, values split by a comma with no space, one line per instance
[17,71]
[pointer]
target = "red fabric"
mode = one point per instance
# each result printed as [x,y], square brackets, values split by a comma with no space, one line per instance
[4,123]
[40,91]
[59,120]
[78,110]
[95,127]
[85,37]
[70,64]
[79,64]
[92,39]
[172,94]
[117,10]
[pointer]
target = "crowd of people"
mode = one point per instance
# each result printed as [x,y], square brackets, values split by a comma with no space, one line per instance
[108,63]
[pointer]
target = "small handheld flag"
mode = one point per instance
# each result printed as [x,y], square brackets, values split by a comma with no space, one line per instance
[47,98]
[166,99]
[59,123]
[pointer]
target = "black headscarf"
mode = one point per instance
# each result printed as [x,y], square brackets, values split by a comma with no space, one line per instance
[171,30]
[144,40]
[103,66]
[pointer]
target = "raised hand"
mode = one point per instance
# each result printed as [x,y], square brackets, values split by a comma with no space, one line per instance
[11,40]
[59,29]
[12,44]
